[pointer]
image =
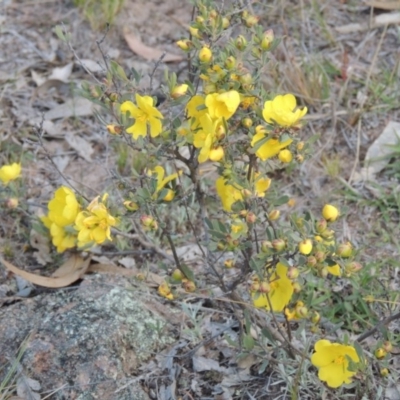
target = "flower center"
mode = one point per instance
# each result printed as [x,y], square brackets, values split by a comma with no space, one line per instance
[340,360]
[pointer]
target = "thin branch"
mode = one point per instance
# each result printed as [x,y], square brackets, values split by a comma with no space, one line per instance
[378,326]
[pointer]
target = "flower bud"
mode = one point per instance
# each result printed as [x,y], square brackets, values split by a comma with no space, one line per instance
[177,275]
[241,43]
[384,372]
[285,156]
[12,203]
[131,205]
[305,246]
[321,225]
[229,263]
[114,129]
[216,154]
[315,317]
[296,287]
[225,23]
[311,261]
[230,63]
[292,203]
[251,218]
[387,346]
[165,291]
[323,272]
[189,286]
[247,122]
[194,32]
[221,246]
[302,311]
[345,250]
[267,39]
[246,193]
[209,88]
[274,215]
[266,246]
[184,44]
[293,273]
[265,287]
[330,213]
[353,267]
[299,158]
[255,287]
[199,20]
[300,146]
[380,353]
[251,20]
[213,14]
[205,55]
[148,222]
[278,244]
[179,91]
[320,256]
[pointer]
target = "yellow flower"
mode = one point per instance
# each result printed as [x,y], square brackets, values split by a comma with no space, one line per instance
[63,209]
[144,114]
[165,291]
[206,136]
[228,193]
[330,213]
[261,185]
[222,105]
[162,182]
[205,55]
[285,156]
[179,91]
[195,109]
[10,172]
[281,111]
[332,360]
[94,224]
[280,294]
[305,246]
[334,270]
[270,148]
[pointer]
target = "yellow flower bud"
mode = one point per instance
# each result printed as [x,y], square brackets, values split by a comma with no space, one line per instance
[230,63]
[296,287]
[291,202]
[251,218]
[345,250]
[247,122]
[330,213]
[229,263]
[384,372]
[12,203]
[179,91]
[189,286]
[315,317]
[267,39]
[293,273]
[387,346]
[194,32]
[380,353]
[199,20]
[225,23]
[266,246]
[321,225]
[265,287]
[184,45]
[114,129]
[274,215]
[177,275]
[216,154]
[305,246]
[279,244]
[299,158]
[285,156]
[131,205]
[300,146]
[205,55]
[311,261]
[251,20]
[241,42]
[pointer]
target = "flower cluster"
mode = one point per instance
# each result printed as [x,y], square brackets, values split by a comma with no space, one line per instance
[69,226]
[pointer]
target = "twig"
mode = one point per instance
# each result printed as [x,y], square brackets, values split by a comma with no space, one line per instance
[379,325]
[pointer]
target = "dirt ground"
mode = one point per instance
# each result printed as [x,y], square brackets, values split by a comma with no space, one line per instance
[337,57]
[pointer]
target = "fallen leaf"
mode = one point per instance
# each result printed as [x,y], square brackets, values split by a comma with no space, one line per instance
[42,244]
[379,20]
[206,364]
[72,270]
[27,388]
[91,65]
[80,145]
[149,53]
[378,154]
[77,107]
[62,73]
[384,4]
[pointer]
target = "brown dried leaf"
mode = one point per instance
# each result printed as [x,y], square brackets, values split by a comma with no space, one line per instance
[72,270]
[149,53]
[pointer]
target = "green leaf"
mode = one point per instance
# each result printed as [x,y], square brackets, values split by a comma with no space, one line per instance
[248,342]
[60,33]
[188,272]
[281,200]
